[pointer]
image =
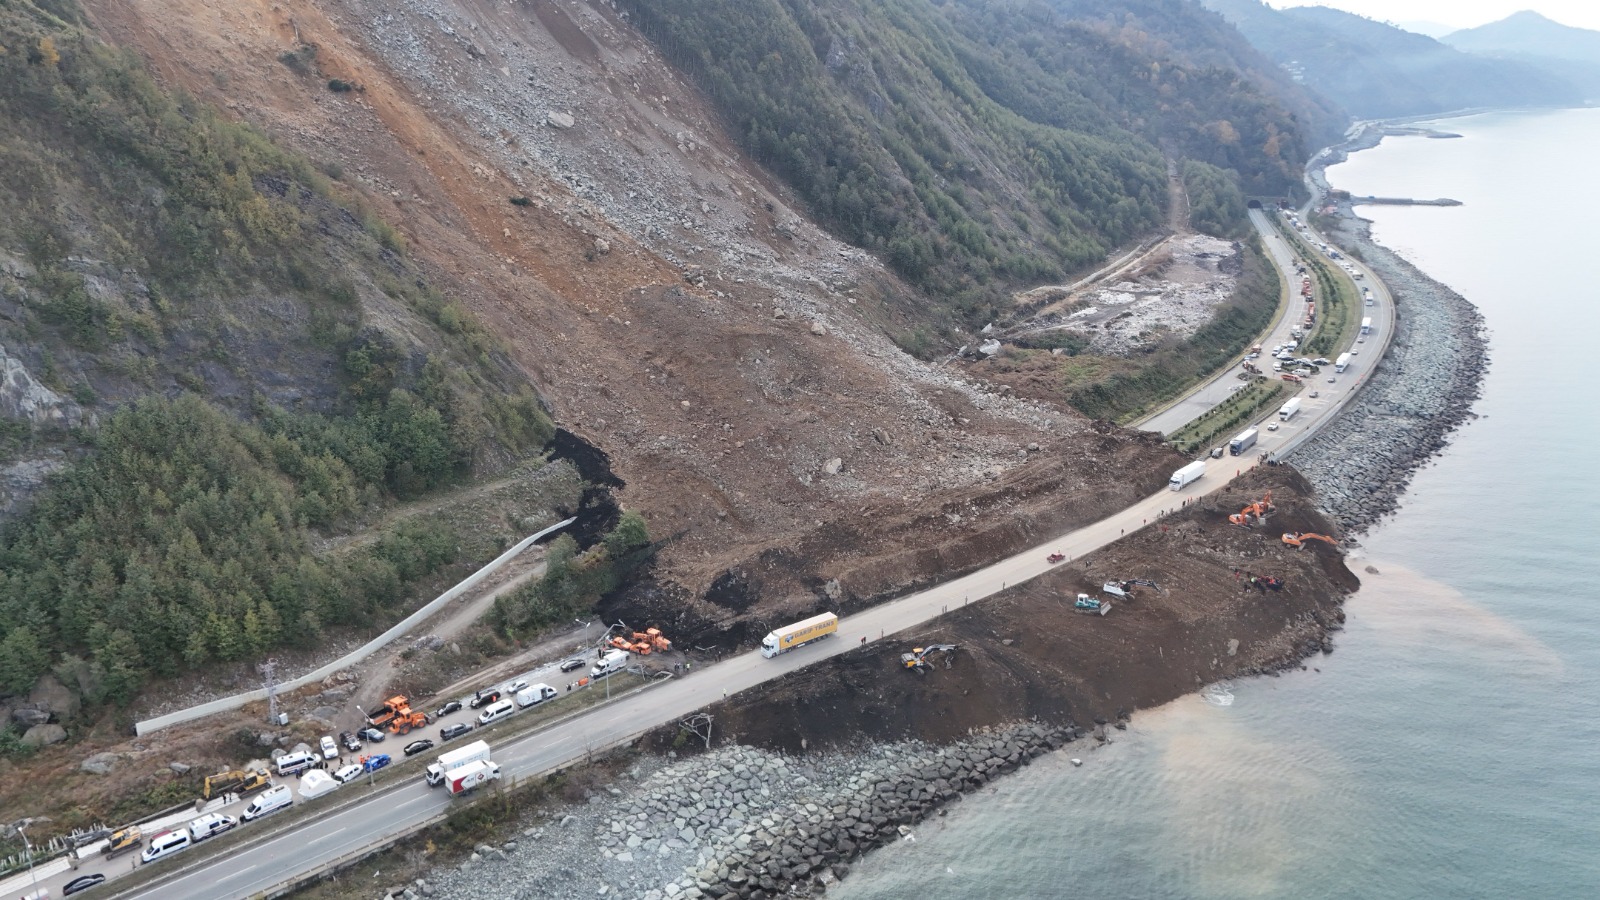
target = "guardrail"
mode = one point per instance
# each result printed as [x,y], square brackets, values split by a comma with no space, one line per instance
[361,653]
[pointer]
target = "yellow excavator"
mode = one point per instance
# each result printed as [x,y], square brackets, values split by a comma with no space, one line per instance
[1297,539]
[1258,510]
[917,659]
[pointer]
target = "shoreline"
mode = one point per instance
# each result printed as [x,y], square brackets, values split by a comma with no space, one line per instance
[1418,396]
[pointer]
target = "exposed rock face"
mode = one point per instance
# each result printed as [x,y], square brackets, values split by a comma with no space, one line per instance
[23,398]
[52,696]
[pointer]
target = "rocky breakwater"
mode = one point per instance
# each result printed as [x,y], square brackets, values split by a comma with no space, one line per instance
[1420,393]
[740,821]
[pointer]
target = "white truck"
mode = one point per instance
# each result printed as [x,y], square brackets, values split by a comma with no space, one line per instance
[1187,475]
[538,693]
[613,661]
[1244,441]
[782,640]
[1287,411]
[1342,363]
[1366,325]
[477,751]
[465,778]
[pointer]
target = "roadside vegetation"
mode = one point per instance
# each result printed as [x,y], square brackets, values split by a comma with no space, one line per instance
[1228,417]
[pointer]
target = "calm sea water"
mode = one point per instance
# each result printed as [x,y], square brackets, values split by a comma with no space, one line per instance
[1451,746]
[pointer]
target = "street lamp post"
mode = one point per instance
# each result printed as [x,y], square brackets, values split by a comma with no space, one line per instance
[27,849]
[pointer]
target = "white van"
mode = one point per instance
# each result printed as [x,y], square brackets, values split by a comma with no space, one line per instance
[164,845]
[290,763]
[496,711]
[537,694]
[270,800]
[209,825]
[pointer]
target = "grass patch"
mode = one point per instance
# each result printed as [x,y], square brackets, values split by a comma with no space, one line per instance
[1231,413]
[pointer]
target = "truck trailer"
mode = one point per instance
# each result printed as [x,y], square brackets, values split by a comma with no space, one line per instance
[1244,441]
[1366,325]
[477,751]
[465,778]
[782,640]
[1287,411]
[1342,363]
[1187,475]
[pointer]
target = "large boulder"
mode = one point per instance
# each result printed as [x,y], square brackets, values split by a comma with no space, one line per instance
[43,735]
[100,763]
[29,717]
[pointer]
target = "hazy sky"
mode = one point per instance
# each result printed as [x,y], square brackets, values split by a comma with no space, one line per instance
[1462,13]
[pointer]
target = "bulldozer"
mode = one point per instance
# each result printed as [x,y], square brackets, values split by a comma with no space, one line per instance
[1297,539]
[917,659]
[236,781]
[641,642]
[1257,510]
[397,716]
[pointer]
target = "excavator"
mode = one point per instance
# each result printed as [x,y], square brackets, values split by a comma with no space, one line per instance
[396,715]
[236,781]
[917,659]
[1297,539]
[1121,589]
[1258,510]
[641,642]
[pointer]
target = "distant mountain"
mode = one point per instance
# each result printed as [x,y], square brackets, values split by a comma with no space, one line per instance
[1434,30]
[1561,50]
[1376,70]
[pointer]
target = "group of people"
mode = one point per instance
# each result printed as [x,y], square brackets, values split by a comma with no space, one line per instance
[1262,583]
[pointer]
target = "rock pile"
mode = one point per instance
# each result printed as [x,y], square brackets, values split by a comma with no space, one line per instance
[743,822]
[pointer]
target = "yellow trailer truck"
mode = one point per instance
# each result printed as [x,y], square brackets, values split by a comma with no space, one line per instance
[782,640]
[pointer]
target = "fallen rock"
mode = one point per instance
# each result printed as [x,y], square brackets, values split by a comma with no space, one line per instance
[832,466]
[100,763]
[560,120]
[43,735]
[179,768]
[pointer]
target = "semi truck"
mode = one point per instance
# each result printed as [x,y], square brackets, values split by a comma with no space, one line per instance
[1342,363]
[1287,411]
[782,640]
[1187,475]
[1366,325]
[1244,441]
[466,777]
[477,751]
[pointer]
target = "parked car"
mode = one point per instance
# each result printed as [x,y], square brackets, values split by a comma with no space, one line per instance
[347,774]
[415,747]
[447,709]
[375,762]
[485,697]
[577,662]
[330,750]
[372,735]
[350,741]
[451,732]
[82,883]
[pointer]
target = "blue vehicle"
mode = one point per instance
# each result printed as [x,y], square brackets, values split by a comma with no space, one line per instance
[375,762]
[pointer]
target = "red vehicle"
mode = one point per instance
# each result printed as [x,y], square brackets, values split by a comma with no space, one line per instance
[1055,557]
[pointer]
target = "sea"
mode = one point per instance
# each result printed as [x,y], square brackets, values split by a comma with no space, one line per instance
[1450,746]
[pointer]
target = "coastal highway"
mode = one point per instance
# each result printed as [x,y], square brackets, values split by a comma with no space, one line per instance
[263,856]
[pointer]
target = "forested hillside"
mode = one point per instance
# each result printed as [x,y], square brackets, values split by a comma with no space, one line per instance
[978,146]
[223,357]
[1375,70]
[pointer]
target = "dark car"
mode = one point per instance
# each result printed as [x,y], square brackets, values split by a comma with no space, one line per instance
[375,762]
[415,747]
[451,732]
[350,742]
[567,665]
[82,883]
[485,697]
[447,709]
[372,735]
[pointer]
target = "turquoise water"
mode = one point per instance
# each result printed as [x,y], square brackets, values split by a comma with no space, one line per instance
[1451,746]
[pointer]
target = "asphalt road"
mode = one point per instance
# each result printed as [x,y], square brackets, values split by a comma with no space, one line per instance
[266,857]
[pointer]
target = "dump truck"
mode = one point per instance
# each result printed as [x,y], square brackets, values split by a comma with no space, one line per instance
[396,715]
[466,777]
[782,640]
[1287,410]
[1243,441]
[237,781]
[1187,475]
[477,751]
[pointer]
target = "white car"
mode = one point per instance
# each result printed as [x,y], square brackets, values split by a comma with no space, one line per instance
[517,685]
[1272,426]
[347,774]
[330,750]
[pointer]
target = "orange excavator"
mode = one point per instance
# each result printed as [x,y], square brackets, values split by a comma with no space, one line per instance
[396,715]
[1257,510]
[1297,539]
[642,642]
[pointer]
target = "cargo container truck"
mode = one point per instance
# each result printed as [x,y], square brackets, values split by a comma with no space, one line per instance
[782,640]
[1243,442]
[1342,363]
[1366,325]
[465,778]
[1287,411]
[1187,475]
[477,751]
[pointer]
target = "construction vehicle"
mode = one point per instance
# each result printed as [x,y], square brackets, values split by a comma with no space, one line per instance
[1257,510]
[641,642]
[237,781]
[1091,605]
[1297,539]
[396,715]
[1122,589]
[121,841]
[917,659]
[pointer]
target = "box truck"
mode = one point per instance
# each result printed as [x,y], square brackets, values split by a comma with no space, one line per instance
[782,640]
[613,661]
[1366,325]
[1287,411]
[1245,440]
[1342,363]
[477,751]
[465,778]
[1187,475]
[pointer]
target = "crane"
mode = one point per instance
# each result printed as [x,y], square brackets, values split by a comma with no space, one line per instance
[1258,509]
[1297,539]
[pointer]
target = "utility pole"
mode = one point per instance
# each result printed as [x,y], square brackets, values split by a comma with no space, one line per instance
[269,673]
[27,848]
